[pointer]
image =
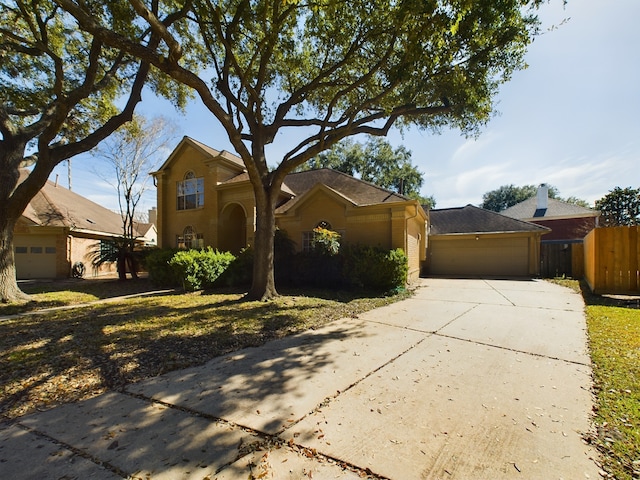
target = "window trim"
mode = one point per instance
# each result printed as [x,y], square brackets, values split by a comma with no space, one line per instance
[190,192]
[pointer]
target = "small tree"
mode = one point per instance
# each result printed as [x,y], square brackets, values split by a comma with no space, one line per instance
[131,153]
[620,207]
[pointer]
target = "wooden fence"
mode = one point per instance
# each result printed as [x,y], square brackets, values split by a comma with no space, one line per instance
[611,259]
[562,260]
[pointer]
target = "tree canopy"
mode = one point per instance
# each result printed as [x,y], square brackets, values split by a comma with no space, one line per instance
[508,195]
[620,207]
[376,162]
[323,70]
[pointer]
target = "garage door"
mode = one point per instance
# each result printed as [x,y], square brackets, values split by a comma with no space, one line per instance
[482,257]
[35,256]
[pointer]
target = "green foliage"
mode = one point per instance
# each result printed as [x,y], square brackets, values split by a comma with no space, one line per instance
[376,162]
[199,269]
[620,207]
[160,272]
[508,195]
[325,242]
[367,267]
[239,272]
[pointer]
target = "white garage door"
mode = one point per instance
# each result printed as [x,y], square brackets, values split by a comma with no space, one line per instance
[35,256]
[482,257]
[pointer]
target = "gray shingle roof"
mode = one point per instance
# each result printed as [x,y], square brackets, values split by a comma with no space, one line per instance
[57,206]
[528,210]
[472,219]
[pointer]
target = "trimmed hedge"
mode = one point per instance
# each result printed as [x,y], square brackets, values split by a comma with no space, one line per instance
[198,269]
[367,267]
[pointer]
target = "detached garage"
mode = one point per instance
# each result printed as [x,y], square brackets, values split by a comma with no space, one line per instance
[471,241]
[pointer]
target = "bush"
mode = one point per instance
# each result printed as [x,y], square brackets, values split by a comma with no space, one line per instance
[198,269]
[374,268]
[239,272]
[161,273]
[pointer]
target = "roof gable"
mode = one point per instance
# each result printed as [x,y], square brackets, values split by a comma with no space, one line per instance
[228,158]
[470,219]
[356,191]
[528,210]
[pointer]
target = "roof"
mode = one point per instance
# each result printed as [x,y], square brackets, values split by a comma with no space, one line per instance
[470,219]
[528,210]
[353,189]
[56,206]
[206,150]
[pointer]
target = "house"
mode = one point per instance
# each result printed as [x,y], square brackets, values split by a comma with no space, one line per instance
[471,241]
[57,229]
[205,198]
[561,249]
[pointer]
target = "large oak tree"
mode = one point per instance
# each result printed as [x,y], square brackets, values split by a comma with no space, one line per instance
[62,91]
[322,70]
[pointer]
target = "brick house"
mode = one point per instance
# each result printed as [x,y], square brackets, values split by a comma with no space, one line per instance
[57,229]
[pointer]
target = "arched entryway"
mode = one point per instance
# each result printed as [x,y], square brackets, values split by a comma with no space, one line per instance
[232,229]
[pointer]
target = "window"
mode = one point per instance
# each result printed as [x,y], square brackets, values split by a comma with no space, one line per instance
[36,249]
[190,192]
[50,250]
[190,239]
[21,249]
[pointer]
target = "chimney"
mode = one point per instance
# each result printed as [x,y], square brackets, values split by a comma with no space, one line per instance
[153,216]
[543,195]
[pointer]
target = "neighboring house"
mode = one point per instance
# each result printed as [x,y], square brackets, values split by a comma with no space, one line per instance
[471,241]
[147,234]
[205,198]
[562,252]
[57,229]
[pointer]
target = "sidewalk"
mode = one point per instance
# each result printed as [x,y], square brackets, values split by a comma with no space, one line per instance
[468,379]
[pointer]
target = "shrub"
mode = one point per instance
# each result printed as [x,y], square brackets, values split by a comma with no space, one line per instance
[325,241]
[161,273]
[375,268]
[239,272]
[198,269]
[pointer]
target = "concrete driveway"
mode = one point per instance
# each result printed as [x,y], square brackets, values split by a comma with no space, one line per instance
[469,379]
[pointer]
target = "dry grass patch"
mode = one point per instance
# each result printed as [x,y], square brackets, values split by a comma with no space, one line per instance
[68,355]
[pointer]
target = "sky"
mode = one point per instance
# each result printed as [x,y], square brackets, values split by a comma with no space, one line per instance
[571,119]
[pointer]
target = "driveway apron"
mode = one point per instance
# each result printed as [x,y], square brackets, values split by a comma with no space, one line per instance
[468,379]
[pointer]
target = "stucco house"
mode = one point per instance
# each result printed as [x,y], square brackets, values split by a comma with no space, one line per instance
[561,249]
[472,241]
[205,198]
[57,229]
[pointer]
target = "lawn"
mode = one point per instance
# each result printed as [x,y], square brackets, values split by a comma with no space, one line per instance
[72,354]
[614,340]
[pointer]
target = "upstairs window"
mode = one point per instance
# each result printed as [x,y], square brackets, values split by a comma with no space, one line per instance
[190,192]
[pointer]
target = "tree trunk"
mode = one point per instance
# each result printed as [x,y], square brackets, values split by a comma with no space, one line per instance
[263,286]
[9,290]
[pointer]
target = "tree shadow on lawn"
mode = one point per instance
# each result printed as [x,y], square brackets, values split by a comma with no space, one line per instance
[608,300]
[74,354]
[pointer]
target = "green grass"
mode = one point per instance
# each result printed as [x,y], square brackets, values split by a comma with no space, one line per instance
[614,343]
[72,354]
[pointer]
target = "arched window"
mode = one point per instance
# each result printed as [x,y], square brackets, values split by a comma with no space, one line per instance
[190,192]
[190,238]
[324,224]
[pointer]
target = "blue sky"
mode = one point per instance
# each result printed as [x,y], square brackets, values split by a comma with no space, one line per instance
[572,119]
